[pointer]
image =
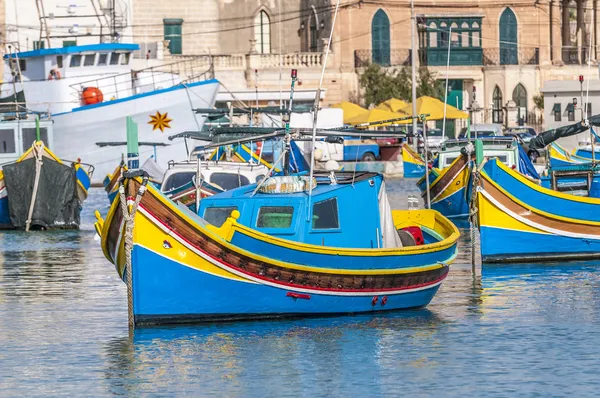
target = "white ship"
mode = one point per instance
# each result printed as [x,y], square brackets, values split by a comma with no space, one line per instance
[89,90]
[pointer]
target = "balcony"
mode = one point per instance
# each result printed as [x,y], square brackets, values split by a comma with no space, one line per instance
[459,56]
[509,56]
[570,55]
[398,57]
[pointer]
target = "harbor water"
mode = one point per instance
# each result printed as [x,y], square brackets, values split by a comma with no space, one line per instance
[526,329]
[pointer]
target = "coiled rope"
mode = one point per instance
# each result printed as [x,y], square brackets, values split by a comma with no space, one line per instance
[129,217]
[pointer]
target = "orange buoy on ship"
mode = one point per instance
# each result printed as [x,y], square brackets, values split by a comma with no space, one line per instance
[91,95]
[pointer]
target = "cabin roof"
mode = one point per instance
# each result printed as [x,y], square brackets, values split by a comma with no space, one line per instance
[74,49]
[324,186]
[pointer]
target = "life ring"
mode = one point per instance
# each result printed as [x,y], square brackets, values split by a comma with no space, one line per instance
[91,95]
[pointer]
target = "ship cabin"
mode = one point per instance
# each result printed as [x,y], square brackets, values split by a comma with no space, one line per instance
[345,210]
[18,135]
[58,77]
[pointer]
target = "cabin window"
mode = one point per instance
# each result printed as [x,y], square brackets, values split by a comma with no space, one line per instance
[325,215]
[75,61]
[449,160]
[114,59]
[7,141]
[217,215]
[89,60]
[275,217]
[102,59]
[29,136]
[229,181]
[177,180]
[59,61]
[125,59]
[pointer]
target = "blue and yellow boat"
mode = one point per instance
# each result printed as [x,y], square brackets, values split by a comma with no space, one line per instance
[521,221]
[274,251]
[414,166]
[58,188]
[450,188]
[560,157]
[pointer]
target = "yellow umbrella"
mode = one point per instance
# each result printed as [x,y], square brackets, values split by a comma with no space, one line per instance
[374,115]
[435,108]
[350,110]
[393,105]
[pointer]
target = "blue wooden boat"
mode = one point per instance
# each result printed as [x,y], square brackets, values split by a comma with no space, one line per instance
[414,166]
[560,157]
[275,251]
[521,221]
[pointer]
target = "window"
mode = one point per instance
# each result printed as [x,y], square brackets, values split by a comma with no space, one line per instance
[89,59]
[75,61]
[69,43]
[102,59]
[444,35]
[557,113]
[7,141]
[571,112]
[59,61]
[433,34]
[229,181]
[217,215]
[114,59]
[29,136]
[380,38]
[23,65]
[520,98]
[172,33]
[475,35]
[314,33]
[464,36]
[497,106]
[454,35]
[508,38]
[125,59]
[449,160]
[39,44]
[262,33]
[325,215]
[275,217]
[177,180]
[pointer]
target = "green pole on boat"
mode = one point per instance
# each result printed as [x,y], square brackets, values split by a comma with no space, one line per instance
[478,152]
[133,152]
[37,128]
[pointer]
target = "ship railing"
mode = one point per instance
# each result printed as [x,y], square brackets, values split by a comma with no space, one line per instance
[145,80]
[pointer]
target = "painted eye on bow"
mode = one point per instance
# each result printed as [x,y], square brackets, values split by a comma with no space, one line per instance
[167,244]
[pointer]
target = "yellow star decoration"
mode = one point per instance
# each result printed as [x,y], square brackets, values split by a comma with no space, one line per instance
[160,121]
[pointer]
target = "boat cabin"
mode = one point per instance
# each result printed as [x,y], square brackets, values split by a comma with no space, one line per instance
[225,175]
[503,148]
[344,211]
[17,136]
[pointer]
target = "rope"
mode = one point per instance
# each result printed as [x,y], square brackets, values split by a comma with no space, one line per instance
[38,154]
[129,224]
[473,210]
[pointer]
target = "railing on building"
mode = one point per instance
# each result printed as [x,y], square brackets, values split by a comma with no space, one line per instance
[459,56]
[571,55]
[398,57]
[146,80]
[519,56]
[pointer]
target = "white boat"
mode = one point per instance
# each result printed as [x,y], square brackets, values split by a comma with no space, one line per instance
[89,90]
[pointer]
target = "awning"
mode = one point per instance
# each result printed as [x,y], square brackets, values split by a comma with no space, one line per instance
[570,107]
[556,108]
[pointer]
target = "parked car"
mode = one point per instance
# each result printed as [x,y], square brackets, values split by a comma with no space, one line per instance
[434,140]
[348,149]
[523,135]
[482,130]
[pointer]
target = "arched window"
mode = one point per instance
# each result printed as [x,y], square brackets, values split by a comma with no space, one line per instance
[497,116]
[519,96]
[475,35]
[454,35]
[262,33]
[443,35]
[380,38]
[464,35]
[433,34]
[314,33]
[508,38]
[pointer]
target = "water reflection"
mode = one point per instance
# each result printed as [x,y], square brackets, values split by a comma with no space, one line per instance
[236,359]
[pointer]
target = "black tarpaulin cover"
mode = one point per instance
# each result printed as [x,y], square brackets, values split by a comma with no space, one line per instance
[56,205]
[548,137]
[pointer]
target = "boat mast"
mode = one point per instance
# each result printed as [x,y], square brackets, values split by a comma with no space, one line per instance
[316,109]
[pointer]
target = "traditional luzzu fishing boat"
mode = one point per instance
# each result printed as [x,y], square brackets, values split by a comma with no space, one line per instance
[40,191]
[521,221]
[450,188]
[253,254]
[560,157]
[414,166]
